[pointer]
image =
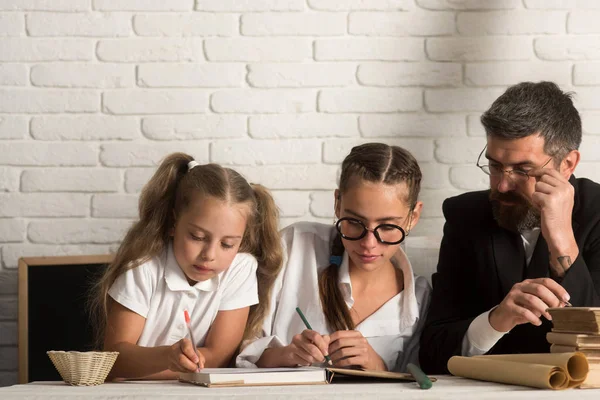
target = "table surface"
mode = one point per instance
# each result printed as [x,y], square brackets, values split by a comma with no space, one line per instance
[447,387]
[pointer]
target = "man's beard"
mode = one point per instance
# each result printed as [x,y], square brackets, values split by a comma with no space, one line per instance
[518,217]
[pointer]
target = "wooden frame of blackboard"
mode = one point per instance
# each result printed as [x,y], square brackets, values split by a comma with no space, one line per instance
[23,296]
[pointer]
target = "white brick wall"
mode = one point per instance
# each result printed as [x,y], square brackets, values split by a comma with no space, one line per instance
[79,24]
[194,127]
[33,50]
[146,153]
[335,150]
[11,24]
[191,75]
[401,23]
[279,49]
[84,127]
[13,127]
[356,100]
[249,5]
[410,74]
[114,206]
[301,75]
[591,123]
[497,48]
[558,48]
[65,231]
[293,24]
[454,100]
[149,49]
[48,101]
[505,73]
[368,48]
[13,75]
[347,5]
[45,5]
[521,22]
[71,180]
[252,152]
[142,5]
[185,24]
[75,75]
[94,93]
[177,101]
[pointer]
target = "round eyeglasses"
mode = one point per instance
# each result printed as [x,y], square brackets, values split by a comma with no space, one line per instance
[355,229]
[496,170]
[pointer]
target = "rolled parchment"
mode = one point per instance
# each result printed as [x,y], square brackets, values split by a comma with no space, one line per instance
[545,371]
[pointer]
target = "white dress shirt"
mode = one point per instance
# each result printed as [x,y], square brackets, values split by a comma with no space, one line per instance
[480,336]
[159,291]
[393,330]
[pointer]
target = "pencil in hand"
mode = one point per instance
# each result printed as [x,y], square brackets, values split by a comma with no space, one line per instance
[327,358]
[189,325]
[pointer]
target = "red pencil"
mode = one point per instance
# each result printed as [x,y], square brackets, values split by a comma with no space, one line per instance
[189,325]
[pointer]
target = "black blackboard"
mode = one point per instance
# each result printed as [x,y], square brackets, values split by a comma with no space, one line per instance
[53,310]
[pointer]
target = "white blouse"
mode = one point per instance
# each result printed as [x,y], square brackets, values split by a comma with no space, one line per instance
[393,330]
[159,291]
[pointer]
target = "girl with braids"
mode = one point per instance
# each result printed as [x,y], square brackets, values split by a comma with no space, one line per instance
[352,280]
[206,242]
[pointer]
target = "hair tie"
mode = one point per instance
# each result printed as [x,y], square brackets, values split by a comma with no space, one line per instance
[192,164]
[337,260]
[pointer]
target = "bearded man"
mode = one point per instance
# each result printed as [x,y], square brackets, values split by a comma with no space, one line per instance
[530,242]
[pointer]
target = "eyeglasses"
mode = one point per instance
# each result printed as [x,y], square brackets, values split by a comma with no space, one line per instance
[517,175]
[355,229]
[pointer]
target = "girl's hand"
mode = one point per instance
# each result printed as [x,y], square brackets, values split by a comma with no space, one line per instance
[306,348]
[183,357]
[351,348]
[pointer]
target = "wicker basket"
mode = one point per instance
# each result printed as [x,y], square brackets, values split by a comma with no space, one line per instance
[83,368]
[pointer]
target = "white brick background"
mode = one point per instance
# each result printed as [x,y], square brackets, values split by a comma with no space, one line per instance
[93,93]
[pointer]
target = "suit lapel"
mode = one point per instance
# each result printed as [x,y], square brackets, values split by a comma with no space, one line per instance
[509,258]
[539,265]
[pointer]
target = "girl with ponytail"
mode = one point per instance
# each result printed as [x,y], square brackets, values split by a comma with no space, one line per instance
[206,242]
[352,280]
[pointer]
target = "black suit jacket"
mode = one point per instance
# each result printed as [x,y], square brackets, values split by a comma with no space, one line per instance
[479,263]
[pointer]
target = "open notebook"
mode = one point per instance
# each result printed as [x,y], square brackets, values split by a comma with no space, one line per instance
[215,377]
[221,377]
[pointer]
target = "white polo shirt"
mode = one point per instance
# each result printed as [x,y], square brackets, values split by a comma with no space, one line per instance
[393,330]
[159,291]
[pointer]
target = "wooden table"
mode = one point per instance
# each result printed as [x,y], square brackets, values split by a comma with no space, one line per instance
[447,387]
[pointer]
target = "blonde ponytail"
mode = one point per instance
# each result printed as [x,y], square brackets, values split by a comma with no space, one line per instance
[265,245]
[146,238]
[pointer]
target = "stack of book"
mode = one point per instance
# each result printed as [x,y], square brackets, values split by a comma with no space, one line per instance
[578,329]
